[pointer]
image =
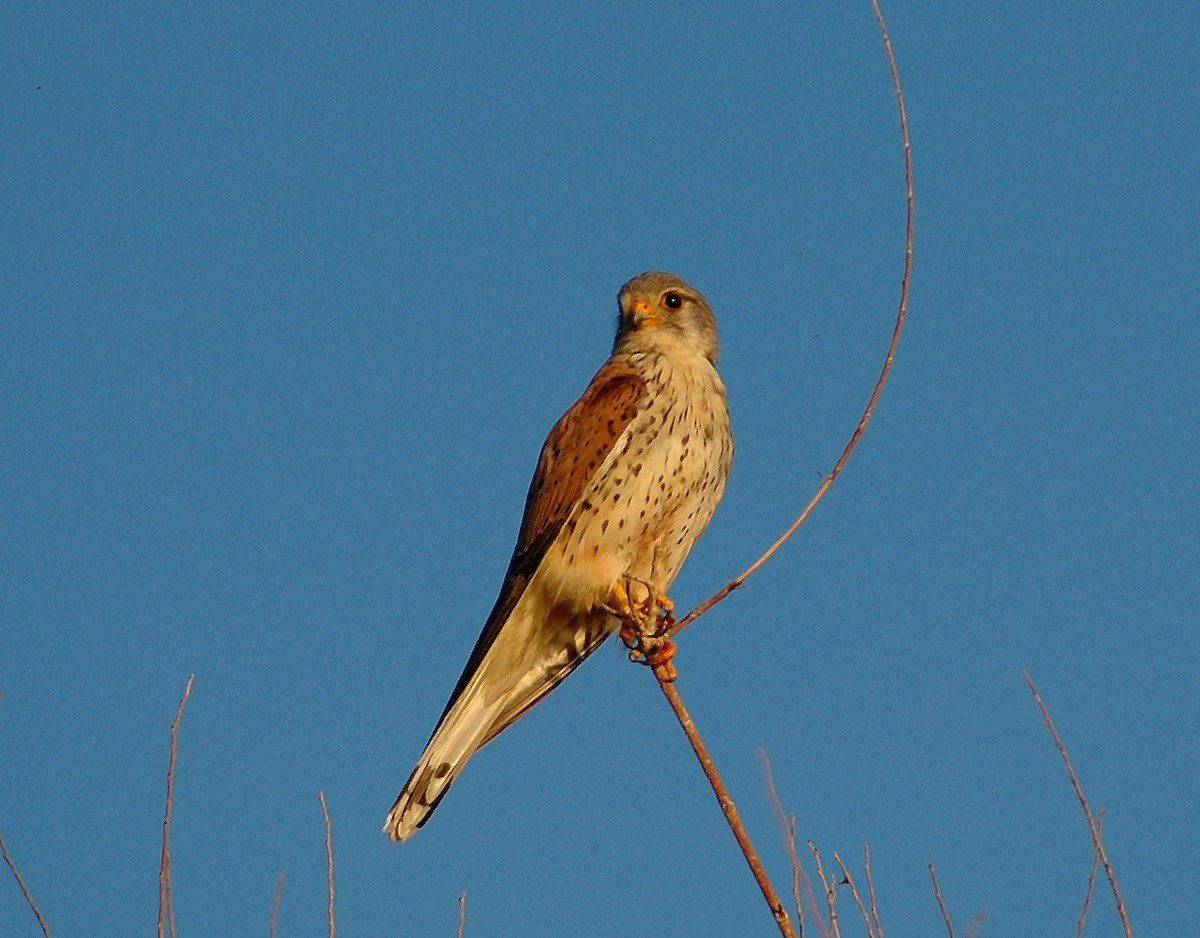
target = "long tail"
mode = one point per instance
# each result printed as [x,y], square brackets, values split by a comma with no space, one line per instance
[493,693]
[463,730]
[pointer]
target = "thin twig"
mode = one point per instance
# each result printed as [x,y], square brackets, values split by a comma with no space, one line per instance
[798,875]
[328,859]
[1087,810]
[862,908]
[830,892]
[871,889]
[787,827]
[976,923]
[1091,885]
[811,896]
[937,894]
[24,889]
[672,695]
[275,905]
[166,902]
[728,808]
[462,914]
[901,314]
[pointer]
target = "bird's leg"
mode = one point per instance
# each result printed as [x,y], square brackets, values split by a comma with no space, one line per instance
[644,625]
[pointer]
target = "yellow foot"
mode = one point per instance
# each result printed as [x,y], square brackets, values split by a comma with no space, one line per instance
[644,626]
[622,606]
[659,660]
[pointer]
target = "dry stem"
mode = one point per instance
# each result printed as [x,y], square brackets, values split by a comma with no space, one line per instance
[862,909]
[328,859]
[462,914]
[830,893]
[1091,884]
[668,689]
[166,902]
[871,889]
[24,889]
[727,807]
[1087,810]
[275,905]
[937,894]
[787,827]
[902,312]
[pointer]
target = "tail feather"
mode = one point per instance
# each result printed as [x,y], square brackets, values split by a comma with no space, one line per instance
[513,675]
[458,736]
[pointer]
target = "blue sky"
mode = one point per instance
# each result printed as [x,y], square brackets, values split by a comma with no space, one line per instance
[293,293]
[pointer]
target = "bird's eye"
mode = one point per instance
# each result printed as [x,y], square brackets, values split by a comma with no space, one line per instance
[672,300]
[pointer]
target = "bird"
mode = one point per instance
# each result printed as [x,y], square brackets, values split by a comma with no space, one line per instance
[627,480]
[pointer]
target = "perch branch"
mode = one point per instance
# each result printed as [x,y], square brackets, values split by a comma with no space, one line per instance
[728,808]
[901,314]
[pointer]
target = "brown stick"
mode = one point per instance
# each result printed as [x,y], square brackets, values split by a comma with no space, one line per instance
[787,827]
[1087,810]
[668,689]
[835,930]
[871,889]
[166,902]
[862,908]
[728,808]
[1091,883]
[462,914]
[937,894]
[328,860]
[901,314]
[274,920]
[12,867]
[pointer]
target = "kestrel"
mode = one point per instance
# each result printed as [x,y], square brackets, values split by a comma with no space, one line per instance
[627,480]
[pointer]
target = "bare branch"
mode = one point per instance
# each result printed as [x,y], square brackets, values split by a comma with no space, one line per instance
[811,896]
[274,920]
[166,902]
[937,893]
[1091,884]
[787,827]
[24,889]
[871,889]
[862,909]
[727,807]
[462,914]
[328,859]
[901,314]
[668,688]
[1087,810]
[830,893]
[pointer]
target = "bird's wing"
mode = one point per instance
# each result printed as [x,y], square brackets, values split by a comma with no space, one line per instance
[574,451]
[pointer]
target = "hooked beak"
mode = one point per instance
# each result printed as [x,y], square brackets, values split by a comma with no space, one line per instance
[642,314]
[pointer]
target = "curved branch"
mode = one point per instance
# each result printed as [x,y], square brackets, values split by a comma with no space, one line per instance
[887,362]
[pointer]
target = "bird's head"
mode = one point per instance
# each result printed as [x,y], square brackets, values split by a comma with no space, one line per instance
[658,312]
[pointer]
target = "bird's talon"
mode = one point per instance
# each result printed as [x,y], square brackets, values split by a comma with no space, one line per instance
[660,655]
